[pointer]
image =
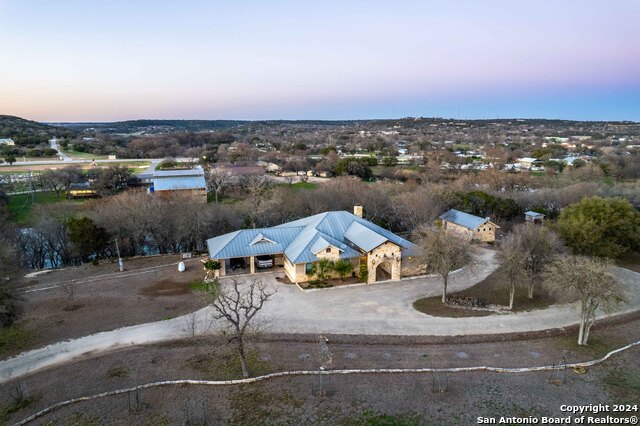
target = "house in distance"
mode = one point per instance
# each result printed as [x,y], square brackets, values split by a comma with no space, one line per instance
[190,183]
[469,226]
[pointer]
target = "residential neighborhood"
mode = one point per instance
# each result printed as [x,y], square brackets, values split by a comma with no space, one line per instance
[337,214]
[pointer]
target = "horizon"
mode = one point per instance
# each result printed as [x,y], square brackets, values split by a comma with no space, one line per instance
[339,119]
[107,61]
[327,119]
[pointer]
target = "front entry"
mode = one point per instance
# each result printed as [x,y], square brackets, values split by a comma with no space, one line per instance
[384,260]
[384,271]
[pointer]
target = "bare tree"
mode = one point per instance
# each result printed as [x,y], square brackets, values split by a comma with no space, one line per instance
[258,188]
[591,280]
[540,245]
[513,258]
[443,252]
[237,302]
[194,328]
[69,290]
[10,270]
[220,178]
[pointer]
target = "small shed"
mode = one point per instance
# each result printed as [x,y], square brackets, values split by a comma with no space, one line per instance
[533,217]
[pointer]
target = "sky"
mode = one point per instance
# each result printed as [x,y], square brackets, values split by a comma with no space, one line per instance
[85,60]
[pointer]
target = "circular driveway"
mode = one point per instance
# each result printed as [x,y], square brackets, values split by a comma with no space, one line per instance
[376,309]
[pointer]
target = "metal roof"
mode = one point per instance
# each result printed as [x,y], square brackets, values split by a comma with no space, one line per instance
[463,219]
[533,214]
[238,243]
[301,239]
[198,171]
[178,182]
[363,237]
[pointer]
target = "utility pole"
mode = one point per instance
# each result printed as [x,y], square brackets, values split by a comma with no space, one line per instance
[120,264]
[33,197]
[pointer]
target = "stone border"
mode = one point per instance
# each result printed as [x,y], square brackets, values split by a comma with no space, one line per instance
[311,290]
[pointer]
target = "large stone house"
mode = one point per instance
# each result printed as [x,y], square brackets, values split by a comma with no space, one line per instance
[469,226]
[296,246]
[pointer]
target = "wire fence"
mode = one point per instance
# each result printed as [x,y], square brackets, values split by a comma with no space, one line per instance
[440,372]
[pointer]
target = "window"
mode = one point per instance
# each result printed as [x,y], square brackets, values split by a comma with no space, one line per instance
[307,268]
[328,250]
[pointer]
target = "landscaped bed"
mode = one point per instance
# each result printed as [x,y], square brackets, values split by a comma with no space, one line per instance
[492,291]
[328,283]
[335,282]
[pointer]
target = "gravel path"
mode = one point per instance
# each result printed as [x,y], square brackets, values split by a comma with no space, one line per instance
[380,309]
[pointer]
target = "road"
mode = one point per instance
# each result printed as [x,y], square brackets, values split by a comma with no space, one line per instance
[380,309]
[148,172]
[54,145]
[87,161]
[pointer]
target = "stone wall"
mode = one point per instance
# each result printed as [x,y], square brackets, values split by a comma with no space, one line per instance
[484,233]
[389,254]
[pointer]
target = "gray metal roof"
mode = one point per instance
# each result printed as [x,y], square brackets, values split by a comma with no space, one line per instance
[179,182]
[305,237]
[463,219]
[363,237]
[198,171]
[239,243]
[533,214]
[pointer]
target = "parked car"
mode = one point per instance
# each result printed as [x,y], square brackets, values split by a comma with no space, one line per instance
[237,263]
[264,261]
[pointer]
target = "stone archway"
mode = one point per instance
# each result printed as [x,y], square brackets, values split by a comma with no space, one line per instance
[386,257]
[383,271]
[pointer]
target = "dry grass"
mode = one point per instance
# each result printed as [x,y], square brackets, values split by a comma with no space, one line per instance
[166,288]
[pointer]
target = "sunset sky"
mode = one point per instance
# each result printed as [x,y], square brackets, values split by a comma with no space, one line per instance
[115,60]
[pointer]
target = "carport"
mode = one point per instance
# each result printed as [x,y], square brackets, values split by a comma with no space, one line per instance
[238,251]
[247,265]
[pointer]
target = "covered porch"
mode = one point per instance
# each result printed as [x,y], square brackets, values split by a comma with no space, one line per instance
[249,265]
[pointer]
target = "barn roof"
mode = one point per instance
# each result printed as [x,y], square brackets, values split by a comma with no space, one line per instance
[463,219]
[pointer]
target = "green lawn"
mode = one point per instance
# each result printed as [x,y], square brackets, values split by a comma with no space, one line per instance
[300,185]
[20,206]
[86,155]
[304,185]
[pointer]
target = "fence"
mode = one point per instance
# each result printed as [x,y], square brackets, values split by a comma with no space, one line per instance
[439,371]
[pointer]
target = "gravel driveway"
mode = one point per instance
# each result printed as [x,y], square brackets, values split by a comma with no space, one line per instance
[383,308]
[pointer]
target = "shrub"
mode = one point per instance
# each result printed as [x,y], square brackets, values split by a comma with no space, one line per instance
[364,273]
[119,372]
[212,265]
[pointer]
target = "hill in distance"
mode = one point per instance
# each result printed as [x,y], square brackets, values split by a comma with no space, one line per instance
[21,130]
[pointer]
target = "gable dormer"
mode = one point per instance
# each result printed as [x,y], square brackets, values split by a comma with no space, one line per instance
[260,239]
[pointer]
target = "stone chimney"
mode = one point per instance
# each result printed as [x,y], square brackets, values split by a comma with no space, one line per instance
[357,211]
